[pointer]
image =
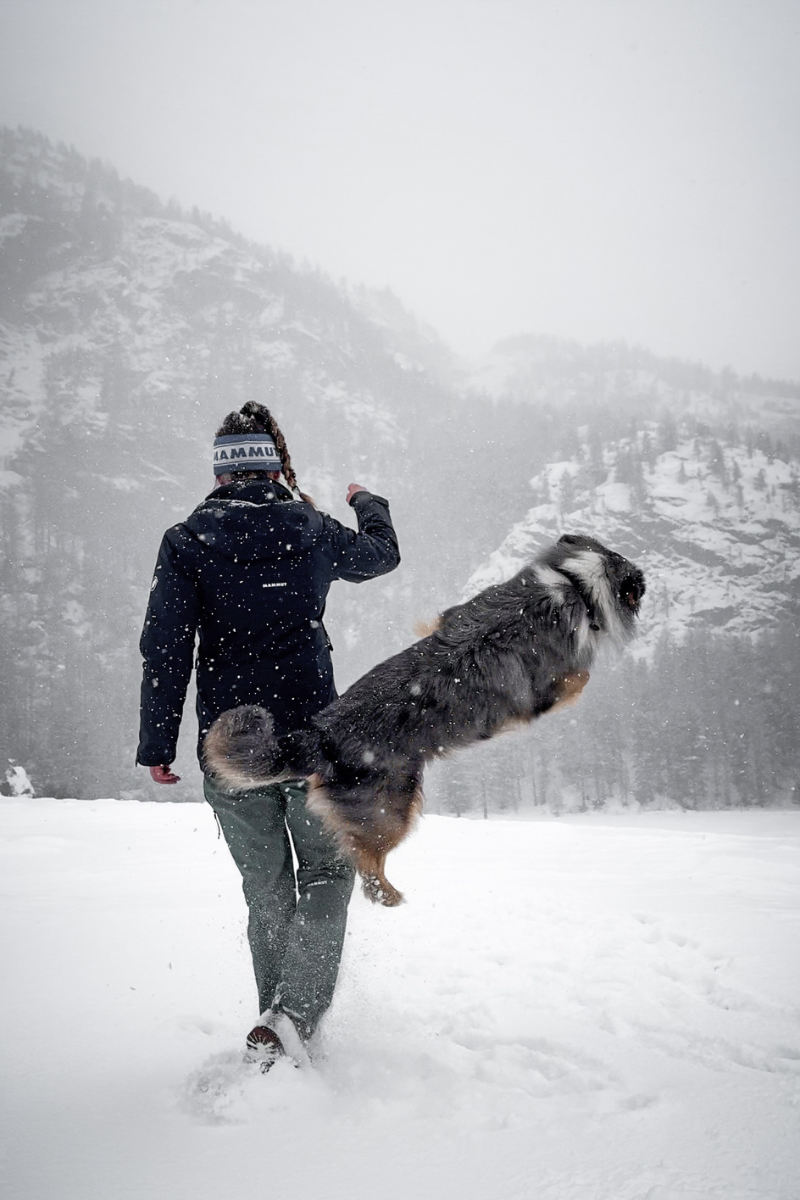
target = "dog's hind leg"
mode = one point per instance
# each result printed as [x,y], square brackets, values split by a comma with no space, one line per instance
[374,884]
[366,831]
[396,816]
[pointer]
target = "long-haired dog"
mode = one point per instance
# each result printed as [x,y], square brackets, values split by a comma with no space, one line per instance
[511,653]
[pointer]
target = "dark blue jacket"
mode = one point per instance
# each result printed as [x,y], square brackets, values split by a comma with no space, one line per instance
[250,570]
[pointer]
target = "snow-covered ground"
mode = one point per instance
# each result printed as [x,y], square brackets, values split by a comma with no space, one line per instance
[585,1008]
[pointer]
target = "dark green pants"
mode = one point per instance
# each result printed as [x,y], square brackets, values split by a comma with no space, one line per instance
[297,922]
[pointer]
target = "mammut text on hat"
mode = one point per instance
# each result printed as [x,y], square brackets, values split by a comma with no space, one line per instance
[245,452]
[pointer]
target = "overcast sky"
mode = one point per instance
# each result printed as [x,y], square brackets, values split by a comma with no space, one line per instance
[593,169]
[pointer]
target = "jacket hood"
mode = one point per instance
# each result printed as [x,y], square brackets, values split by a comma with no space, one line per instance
[252,520]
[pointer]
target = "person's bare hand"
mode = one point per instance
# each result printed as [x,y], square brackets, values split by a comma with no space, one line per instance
[163,775]
[353,489]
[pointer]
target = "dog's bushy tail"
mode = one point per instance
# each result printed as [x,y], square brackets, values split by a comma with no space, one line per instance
[241,750]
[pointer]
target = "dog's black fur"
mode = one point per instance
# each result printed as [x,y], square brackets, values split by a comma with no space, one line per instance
[511,653]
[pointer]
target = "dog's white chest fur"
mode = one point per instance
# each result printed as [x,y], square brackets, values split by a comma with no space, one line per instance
[589,567]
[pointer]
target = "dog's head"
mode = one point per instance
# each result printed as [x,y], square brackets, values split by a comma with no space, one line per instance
[612,586]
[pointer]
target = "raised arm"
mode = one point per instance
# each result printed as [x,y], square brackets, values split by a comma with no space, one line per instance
[373,550]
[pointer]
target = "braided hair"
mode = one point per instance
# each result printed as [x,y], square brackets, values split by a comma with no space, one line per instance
[253,417]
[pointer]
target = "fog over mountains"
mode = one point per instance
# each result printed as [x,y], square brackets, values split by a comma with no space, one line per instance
[129,327]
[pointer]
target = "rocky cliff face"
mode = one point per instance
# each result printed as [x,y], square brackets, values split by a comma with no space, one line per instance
[715,525]
[128,328]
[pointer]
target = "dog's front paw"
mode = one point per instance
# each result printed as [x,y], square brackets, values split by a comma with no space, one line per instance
[380,891]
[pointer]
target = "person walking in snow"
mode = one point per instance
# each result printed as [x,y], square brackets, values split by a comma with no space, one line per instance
[249,571]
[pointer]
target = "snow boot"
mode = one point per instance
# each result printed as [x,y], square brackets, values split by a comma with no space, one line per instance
[263,1047]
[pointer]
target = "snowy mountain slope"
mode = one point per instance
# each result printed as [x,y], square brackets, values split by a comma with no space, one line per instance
[716,529]
[591,1008]
[98,273]
[702,710]
[128,327]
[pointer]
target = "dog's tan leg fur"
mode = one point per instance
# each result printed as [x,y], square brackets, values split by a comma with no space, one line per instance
[569,690]
[367,846]
[426,628]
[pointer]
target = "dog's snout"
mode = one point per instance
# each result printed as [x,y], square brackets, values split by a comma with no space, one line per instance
[631,591]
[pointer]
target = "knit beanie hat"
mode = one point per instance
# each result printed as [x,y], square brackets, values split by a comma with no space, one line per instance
[245,452]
